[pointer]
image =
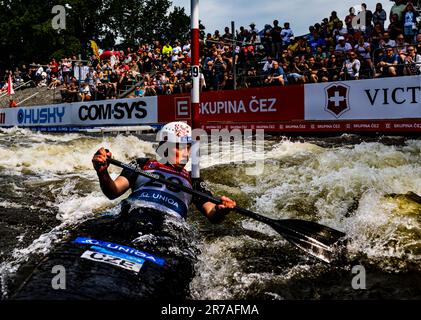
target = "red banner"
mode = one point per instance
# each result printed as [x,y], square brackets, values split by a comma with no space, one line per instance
[247,105]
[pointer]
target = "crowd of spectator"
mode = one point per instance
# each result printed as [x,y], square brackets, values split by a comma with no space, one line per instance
[365,44]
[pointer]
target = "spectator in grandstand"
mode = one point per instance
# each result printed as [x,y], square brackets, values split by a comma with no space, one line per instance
[410,22]
[252,80]
[313,67]
[218,73]
[227,36]
[85,92]
[363,48]
[333,21]
[316,41]
[54,67]
[376,36]
[38,74]
[340,30]
[401,45]
[256,42]
[167,49]
[275,34]
[276,75]
[398,8]
[253,28]
[303,47]
[413,62]
[395,27]
[18,76]
[320,53]
[351,67]
[266,40]
[175,51]
[243,36]
[43,79]
[139,91]
[66,66]
[293,46]
[323,74]
[134,73]
[349,20]
[386,41]
[333,68]
[267,65]
[342,47]
[295,71]
[379,15]
[286,35]
[418,43]
[100,93]
[367,15]
[69,92]
[324,28]
[90,78]
[55,82]
[388,63]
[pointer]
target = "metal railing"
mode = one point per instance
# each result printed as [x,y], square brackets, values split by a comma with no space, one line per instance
[17,88]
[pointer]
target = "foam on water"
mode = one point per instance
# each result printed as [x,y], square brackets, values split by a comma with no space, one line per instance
[65,155]
[344,186]
[62,162]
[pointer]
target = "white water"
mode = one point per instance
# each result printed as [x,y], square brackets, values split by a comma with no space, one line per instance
[343,187]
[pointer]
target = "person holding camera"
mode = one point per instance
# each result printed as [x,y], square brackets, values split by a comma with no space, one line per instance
[218,70]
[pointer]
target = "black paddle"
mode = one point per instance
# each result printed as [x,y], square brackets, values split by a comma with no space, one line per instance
[316,239]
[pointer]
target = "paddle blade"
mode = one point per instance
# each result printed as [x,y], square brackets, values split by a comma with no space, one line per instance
[318,240]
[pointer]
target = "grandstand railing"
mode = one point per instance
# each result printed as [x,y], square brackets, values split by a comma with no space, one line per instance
[23,85]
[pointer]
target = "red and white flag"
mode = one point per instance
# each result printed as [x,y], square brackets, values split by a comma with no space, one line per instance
[10,90]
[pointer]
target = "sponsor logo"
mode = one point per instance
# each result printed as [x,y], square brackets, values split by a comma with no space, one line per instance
[182,108]
[2,118]
[337,99]
[41,115]
[398,95]
[112,260]
[120,248]
[252,104]
[118,254]
[162,198]
[118,111]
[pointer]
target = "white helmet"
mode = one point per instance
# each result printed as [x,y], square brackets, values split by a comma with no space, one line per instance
[176,131]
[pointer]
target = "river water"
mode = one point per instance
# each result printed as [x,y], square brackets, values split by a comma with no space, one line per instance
[366,187]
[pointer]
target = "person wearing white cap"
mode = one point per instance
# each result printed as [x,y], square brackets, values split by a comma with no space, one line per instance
[174,149]
[342,47]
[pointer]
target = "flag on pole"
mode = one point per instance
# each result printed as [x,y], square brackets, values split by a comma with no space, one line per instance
[10,90]
[94,47]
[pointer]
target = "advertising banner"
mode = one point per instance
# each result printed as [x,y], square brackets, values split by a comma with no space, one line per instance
[49,115]
[385,98]
[132,111]
[254,104]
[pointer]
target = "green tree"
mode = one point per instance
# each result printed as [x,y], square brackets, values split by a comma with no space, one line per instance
[178,25]
[27,34]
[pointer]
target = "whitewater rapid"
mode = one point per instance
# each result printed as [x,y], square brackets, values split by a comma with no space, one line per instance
[355,185]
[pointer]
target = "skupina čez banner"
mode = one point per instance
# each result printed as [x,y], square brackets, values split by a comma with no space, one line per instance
[386,98]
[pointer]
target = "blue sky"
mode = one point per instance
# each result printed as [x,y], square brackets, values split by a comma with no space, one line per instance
[217,14]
